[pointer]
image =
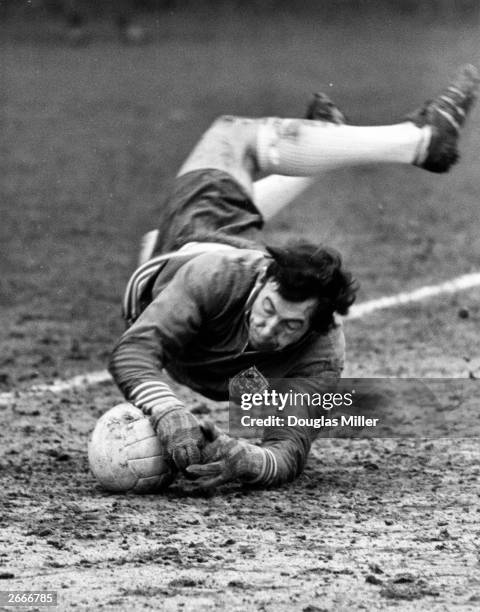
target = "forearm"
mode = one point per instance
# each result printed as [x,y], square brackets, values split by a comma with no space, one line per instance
[166,326]
[136,366]
[226,459]
[289,445]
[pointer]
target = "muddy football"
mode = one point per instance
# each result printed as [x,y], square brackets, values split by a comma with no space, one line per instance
[125,454]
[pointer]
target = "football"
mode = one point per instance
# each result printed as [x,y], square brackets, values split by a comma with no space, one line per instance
[125,454]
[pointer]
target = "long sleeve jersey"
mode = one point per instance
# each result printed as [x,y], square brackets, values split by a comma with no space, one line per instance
[196,328]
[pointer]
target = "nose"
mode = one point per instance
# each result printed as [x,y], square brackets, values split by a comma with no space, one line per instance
[267,328]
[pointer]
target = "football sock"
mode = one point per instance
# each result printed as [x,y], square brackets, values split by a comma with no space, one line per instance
[296,147]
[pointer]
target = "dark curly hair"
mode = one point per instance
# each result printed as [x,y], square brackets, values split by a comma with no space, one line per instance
[304,270]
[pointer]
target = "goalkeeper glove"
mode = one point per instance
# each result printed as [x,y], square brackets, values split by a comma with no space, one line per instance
[177,429]
[227,459]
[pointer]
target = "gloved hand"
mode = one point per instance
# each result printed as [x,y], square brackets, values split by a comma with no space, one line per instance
[227,459]
[177,429]
[180,434]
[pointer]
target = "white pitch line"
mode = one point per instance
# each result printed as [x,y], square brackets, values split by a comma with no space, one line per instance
[89,379]
[81,381]
[461,283]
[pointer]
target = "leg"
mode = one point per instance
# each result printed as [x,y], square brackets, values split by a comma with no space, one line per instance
[228,145]
[273,193]
[249,148]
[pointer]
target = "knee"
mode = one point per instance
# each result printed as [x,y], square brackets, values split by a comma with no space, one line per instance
[233,123]
[225,125]
[240,131]
[222,128]
[226,120]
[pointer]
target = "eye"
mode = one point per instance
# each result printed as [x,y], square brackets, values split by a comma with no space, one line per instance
[293,325]
[268,306]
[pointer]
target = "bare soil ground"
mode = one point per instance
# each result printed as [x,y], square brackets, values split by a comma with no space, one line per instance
[91,139]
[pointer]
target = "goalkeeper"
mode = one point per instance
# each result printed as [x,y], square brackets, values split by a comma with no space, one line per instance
[209,302]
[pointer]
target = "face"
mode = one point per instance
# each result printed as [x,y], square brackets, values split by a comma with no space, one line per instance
[274,322]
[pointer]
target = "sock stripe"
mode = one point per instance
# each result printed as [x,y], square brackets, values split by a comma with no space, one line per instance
[449,118]
[454,106]
[422,149]
[456,91]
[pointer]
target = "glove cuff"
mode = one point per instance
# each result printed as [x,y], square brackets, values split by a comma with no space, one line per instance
[154,397]
[268,468]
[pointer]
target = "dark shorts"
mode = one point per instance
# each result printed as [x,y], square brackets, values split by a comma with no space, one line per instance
[208,206]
